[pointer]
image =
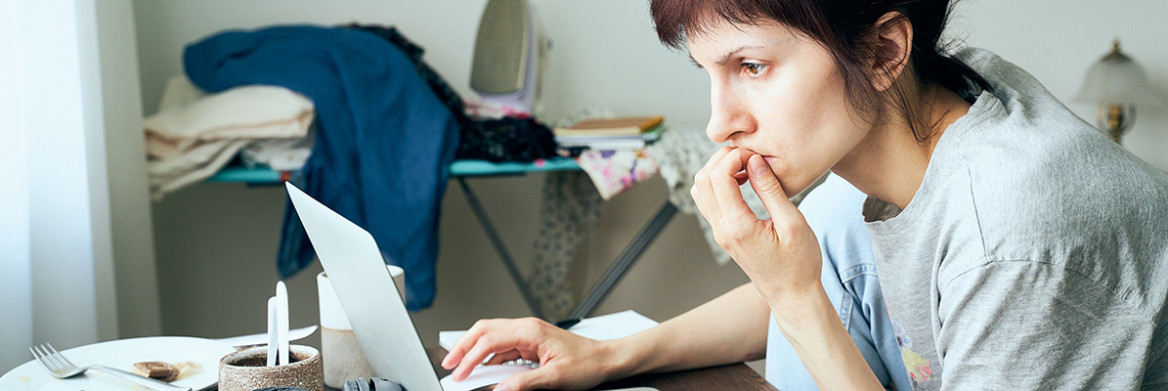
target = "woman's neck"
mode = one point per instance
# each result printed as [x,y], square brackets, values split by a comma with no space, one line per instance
[890,163]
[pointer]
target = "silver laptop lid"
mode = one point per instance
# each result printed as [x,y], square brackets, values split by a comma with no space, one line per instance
[366,291]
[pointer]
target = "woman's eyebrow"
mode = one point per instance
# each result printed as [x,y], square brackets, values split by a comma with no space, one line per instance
[725,58]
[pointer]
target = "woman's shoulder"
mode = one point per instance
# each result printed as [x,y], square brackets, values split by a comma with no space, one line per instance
[1016,108]
[1042,181]
[1084,205]
[1024,151]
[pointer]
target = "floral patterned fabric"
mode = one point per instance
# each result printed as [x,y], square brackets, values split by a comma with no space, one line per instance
[616,171]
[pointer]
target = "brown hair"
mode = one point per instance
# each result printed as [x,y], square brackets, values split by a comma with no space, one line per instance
[843,28]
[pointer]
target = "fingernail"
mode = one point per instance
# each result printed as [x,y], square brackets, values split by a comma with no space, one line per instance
[757,165]
[501,387]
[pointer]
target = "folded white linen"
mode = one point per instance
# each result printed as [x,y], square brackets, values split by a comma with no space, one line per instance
[201,162]
[187,115]
[195,134]
[282,154]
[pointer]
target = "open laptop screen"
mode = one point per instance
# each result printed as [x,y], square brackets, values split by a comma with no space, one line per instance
[367,293]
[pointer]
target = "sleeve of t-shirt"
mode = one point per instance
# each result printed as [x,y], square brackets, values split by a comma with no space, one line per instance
[1030,325]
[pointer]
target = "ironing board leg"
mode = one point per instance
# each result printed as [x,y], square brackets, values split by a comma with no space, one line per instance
[624,261]
[604,285]
[493,235]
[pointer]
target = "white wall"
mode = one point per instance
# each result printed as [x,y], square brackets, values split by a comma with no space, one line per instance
[129,200]
[71,262]
[1057,40]
[600,48]
[215,242]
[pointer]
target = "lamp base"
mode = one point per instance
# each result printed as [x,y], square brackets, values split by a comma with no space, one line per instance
[1115,119]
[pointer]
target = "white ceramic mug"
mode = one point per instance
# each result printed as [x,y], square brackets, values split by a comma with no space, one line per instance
[343,358]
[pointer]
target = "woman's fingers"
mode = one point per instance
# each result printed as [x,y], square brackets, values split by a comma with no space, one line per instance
[702,193]
[503,357]
[703,198]
[566,360]
[771,192]
[486,338]
[727,194]
[464,344]
[717,156]
[741,177]
[475,356]
[495,343]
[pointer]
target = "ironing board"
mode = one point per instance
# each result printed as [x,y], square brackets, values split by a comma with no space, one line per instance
[463,169]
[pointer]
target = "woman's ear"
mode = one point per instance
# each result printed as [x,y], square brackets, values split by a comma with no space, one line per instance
[891,46]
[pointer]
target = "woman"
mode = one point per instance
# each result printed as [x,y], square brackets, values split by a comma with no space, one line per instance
[1017,247]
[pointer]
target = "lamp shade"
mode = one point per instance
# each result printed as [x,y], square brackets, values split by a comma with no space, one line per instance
[1117,79]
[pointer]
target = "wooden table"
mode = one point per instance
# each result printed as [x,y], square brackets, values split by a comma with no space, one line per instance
[726,377]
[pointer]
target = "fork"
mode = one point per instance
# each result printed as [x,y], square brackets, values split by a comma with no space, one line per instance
[60,367]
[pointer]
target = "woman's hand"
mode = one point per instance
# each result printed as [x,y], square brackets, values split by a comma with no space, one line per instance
[566,360]
[780,255]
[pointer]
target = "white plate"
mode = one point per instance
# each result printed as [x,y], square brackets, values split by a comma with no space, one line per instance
[122,354]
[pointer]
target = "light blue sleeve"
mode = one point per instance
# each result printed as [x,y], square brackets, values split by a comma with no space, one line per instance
[833,210]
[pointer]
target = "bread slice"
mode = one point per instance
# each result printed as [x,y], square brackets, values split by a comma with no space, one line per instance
[156,369]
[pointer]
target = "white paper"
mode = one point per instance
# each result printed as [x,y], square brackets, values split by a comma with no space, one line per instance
[262,338]
[611,326]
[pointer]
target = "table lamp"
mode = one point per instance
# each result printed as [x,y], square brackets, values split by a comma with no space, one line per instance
[1116,85]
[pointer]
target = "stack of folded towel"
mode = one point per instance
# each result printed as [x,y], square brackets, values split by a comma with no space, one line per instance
[194,134]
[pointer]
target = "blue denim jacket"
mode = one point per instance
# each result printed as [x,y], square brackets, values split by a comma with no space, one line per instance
[849,276]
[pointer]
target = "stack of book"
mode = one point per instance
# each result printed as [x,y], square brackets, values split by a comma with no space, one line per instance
[611,133]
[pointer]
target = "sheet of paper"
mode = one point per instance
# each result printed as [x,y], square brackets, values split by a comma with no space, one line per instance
[484,375]
[605,327]
[613,326]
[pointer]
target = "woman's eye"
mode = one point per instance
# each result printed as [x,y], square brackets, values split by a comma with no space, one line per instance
[753,69]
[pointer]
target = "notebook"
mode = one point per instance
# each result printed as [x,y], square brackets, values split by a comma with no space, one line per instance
[375,309]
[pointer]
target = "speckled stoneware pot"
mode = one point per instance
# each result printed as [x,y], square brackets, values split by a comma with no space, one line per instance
[247,370]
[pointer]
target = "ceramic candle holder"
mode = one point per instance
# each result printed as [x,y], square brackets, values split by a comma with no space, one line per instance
[247,370]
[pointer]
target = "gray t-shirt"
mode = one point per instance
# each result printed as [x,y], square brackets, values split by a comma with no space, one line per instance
[1033,256]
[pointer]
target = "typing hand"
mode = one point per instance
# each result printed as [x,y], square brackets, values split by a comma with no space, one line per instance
[566,360]
[780,255]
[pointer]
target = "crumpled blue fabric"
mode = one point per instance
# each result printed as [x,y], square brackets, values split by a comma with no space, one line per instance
[384,142]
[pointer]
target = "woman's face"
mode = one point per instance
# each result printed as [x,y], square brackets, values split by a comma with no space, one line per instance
[778,94]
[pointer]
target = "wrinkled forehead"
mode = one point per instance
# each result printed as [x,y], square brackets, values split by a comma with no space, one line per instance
[720,29]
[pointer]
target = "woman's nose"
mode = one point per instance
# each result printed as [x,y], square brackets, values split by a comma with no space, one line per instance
[727,116]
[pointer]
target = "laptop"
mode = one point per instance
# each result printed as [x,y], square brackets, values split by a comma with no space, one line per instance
[375,309]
